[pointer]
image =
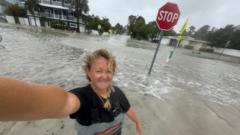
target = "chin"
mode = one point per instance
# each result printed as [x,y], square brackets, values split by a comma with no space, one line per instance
[105,87]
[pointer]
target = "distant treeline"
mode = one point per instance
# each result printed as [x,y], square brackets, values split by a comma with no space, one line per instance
[217,37]
[137,28]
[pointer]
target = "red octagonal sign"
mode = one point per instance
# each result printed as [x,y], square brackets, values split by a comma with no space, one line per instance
[167,16]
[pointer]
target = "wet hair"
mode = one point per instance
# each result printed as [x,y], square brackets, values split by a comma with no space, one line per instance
[88,61]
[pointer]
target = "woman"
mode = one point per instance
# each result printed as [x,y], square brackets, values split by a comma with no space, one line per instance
[98,107]
[102,104]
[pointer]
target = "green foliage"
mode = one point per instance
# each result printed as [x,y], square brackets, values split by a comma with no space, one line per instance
[31,5]
[235,40]
[188,47]
[202,49]
[118,29]
[169,33]
[191,31]
[43,19]
[201,33]
[131,23]
[137,28]
[81,6]
[152,30]
[105,24]
[16,11]
[58,24]
[92,22]
[219,37]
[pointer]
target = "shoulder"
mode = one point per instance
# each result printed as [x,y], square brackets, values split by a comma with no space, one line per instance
[117,90]
[80,90]
[119,96]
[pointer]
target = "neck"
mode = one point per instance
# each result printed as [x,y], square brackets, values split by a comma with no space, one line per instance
[99,92]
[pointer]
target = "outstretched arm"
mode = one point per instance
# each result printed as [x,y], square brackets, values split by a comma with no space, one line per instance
[28,101]
[132,115]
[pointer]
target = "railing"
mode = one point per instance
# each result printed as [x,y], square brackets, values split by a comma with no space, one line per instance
[58,3]
[58,16]
[45,1]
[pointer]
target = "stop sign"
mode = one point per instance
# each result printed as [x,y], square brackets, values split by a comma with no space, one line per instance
[167,16]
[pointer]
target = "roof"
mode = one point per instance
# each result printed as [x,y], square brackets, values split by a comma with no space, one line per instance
[53,6]
[188,38]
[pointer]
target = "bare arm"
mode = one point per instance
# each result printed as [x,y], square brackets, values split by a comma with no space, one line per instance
[27,101]
[132,115]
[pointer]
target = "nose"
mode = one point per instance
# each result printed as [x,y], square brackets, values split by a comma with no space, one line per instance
[104,75]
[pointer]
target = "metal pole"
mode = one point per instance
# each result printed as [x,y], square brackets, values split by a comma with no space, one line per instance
[226,45]
[171,52]
[156,51]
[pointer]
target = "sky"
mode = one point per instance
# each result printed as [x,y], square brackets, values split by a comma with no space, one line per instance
[216,13]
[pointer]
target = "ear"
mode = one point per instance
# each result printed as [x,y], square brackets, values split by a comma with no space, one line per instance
[88,75]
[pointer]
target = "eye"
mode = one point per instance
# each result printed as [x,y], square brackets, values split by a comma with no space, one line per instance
[109,71]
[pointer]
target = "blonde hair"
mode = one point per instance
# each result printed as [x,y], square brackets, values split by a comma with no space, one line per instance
[88,61]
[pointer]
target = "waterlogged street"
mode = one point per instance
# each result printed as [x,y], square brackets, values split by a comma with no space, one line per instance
[188,96]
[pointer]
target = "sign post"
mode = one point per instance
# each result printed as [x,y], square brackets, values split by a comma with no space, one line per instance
[167,17]
[179,38]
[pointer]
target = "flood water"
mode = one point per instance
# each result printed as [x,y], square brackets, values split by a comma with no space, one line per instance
[185,83]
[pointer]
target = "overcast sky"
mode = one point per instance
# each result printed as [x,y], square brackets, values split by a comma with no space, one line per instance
[217,13]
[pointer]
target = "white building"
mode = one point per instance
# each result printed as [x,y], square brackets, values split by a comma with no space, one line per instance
[59,10]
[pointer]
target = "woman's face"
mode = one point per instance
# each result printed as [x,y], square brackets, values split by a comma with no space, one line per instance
[100,74]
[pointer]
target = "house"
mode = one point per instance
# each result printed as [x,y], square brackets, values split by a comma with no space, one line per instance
[49,11]
[59,10]
[186,41]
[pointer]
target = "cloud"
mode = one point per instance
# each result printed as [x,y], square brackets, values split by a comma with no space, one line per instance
[216,13]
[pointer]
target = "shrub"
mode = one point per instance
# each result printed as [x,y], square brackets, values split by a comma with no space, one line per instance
[202,49]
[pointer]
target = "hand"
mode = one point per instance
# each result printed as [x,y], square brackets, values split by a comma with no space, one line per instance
[139,129]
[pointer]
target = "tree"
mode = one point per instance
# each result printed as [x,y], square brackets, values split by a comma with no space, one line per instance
[81,6]
[235,40]
[119,29]
[131,22]
[16,12]
[219,37]
[31,6]
[92,22]
[105,24]
[191,31]
[139,28]
[136,27]
[152,30]
[202,32]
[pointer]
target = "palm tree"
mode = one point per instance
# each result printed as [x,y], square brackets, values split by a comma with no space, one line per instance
[31,5]
[81,6]
[16,12]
